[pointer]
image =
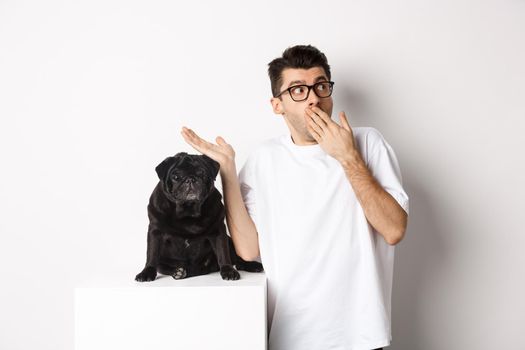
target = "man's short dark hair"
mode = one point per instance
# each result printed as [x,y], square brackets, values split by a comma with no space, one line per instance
[299,56]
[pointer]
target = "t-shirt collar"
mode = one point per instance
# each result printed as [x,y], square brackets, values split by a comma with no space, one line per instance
[314,149]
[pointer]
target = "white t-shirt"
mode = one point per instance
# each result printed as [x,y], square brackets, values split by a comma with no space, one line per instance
[329,273]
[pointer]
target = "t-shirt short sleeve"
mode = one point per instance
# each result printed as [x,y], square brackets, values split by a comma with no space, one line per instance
[382,163]
[247,184]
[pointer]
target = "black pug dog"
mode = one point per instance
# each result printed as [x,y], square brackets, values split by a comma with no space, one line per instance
[186,234]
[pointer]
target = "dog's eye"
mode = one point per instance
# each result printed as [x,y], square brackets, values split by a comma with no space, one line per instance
[175,177]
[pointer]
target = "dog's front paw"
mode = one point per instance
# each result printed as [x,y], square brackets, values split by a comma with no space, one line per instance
[180,273]
[228,272]
[250,266]
[148,274]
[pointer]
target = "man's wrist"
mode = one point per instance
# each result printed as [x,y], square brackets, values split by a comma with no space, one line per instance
[352,161]
[228,169]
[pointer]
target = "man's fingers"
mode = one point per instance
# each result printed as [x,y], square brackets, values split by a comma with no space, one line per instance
[314,134]
[192,136]
[195,141]
[316,117]
[310,122]
[189,136]
[200,144]
[322,115]
[344,121]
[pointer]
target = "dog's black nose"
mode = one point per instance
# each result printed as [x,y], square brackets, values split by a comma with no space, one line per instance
[191,179]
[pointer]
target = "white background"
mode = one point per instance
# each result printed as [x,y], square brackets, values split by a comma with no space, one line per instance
[93,96]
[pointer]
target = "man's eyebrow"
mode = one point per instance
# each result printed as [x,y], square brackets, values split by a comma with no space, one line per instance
[319,78]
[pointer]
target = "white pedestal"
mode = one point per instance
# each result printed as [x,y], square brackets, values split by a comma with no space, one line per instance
[202,312]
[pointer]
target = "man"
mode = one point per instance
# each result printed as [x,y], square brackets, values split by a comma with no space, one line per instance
[323,206]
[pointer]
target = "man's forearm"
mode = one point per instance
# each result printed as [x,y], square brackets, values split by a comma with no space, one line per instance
[240,224]
[381,209]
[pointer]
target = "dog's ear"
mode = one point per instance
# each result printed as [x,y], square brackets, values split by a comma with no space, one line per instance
[212,166]
[163,168]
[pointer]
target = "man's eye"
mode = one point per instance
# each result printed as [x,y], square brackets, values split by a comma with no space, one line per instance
[298,90]
[322,86]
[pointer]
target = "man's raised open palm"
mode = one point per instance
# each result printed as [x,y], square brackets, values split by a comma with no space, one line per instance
[222,152]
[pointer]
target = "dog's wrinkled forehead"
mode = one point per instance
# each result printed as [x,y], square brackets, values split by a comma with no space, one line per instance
[185,161]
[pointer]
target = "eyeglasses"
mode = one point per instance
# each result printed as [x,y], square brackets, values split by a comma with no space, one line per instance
[301,92]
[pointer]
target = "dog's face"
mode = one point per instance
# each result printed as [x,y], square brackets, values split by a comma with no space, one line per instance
[187,180]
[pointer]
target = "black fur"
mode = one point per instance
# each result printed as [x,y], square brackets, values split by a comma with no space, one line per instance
[186,234]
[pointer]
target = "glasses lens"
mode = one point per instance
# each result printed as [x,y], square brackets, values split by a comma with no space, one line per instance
[323,89]
[299,92]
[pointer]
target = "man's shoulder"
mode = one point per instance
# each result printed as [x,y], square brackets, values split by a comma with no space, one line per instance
[367,134]
[368,137]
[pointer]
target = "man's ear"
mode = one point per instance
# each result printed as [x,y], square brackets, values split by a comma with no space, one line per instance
[163,168]
[277,105]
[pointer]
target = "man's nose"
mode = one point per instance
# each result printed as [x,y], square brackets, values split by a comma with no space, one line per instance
[313,99]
